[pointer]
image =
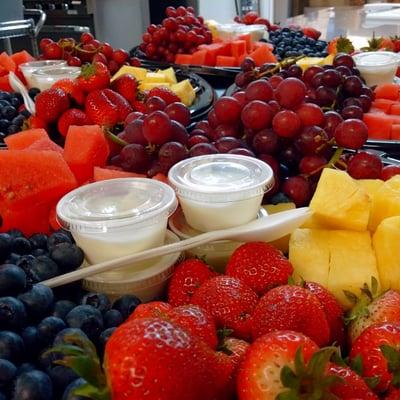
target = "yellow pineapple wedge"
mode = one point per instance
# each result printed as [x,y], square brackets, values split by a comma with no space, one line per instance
[309,255]
[371,186]
[385,202]
[352,263]
[340,202]
[386,242]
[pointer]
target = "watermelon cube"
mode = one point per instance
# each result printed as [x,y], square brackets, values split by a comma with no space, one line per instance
[5,84]
[24,139]
[384,104]
[224,61]
[238,47]
[30,177]
[46,144]
[249,43]
[389,91]
[85,148]
[21,57]
[7,62]
[395,133]
[395,109]
[379,125]
[263,55]
[183,59]
[103,174]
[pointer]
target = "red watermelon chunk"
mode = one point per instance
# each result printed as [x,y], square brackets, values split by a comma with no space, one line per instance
[85,148]
[7,62]
[21,57]
[102,174]
[5,84]
[30,177]
[24,139]
[46,144]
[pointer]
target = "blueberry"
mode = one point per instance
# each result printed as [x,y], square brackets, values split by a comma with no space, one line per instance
[56,238]
[38,241]
[4,397]
[126,305]
[12,313]
[49,327]
[13,259]
[25,113]
[11,347]
[97,300]
[14,233]
[8,112]
[38,301]
[2,137]
[68,256]
[112,318]
[12,280]
[279,198]
[27,262]
[4,124]
[4,95]
[87,318]
[15,102]
[62,308]
[40,252]
[21,245]
[61,377]
[13,129]
[4,103]
[105,335]
[18,120]
[69,390]
[46,359]
[45,268]
[33,92]
[5,246]
[30,336]
[33,385]
[60,337]
[7,372]
[25,367]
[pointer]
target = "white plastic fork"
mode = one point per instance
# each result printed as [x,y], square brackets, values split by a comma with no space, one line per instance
[19,87]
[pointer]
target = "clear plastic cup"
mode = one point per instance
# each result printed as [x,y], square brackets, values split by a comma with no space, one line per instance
[45,78]
[28,68]
[117,217]
[220,191]
[377,67]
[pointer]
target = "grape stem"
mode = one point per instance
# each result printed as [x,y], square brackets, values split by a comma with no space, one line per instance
[287,62]
[335,158]
[115,138]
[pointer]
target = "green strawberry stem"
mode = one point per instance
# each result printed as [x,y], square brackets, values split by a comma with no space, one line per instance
[114,138]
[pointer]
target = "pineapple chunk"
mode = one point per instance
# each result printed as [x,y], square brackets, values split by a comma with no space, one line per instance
[387,250]
[137,72]
[371,186]
[313,223]
[184,91]
[307,62]
[169,74]
[352,263]
[385,202]
[340,203]
[157,77]
[150,85]
[328,60]
[309,254]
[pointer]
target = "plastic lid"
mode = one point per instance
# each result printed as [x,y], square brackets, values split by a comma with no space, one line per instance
[42,64]
[115,203]
[221,178]
[376,59]
[57,71]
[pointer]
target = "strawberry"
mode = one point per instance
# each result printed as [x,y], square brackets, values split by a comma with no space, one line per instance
[291,308]
[393,394]
[371,309]
[94,76]
[155,359]
[166,94]
[72,88]
[195,321]
[260,266]
[138,106]
[154,309]
[396,43]
[340,45]
[333,311]
[229,301]
[187,278]
[106,107]
[34,122]
[236,350]
[387,44]
[126,85]
[311,32]
[50,104]
[260,372]
[73,116]
[378,350]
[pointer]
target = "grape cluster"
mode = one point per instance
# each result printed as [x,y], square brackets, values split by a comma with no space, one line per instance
[180,32]
[33,317]
[88,49]
[292,43]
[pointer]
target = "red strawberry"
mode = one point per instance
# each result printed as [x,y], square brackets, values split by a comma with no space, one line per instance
[196,321]
[154,309]
[291,308]
[73,116]
[94,76]
[372,309]
[34,122]
[155,359]
[72,88]
[311,32]
[393,394]
[50,104]
[375,346]
[236,350]
[105,107]
[166,94]
[229,301]
[260,266]
[260,371]
[187,278]
[333,311]
[126,85]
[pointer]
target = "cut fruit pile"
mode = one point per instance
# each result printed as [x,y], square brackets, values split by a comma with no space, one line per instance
[10,64]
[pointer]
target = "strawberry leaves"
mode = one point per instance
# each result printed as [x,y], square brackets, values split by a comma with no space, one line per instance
[393,363]
[344,45]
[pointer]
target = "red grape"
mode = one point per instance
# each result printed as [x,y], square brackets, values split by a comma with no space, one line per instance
[170,11]
[178,112]
[352,86]
[179,133]
[389,171]
[310,114]
[275,107]
[225,130]
[351,101]
[157,127]
[74,62]
[204,126]
[243,78]
[44,42]
[351,134]
[247,64]
[290,93]
[171,153]
[365,102]
[265,142]
[196,139]
[133,133]
[295,71]
[344,71]
[134,158]
[242,151]
[241,98]
[368,92]
[310,164]
[259,90]
[86,37]
[52,51]
[352,112]
[228,109]
[331,78]
[100,57]
[227,143]
[170,23]
[133,116]
[286,123]
[325,96]
[343,59]
[212,119]
[365,165]
[290,157]
[271,161]
[332,120]
[310,72]
[155,103]
[317,80]
[311,140]
[120,56]
[256,115]
[298,189]
[275,80]
[203,149]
